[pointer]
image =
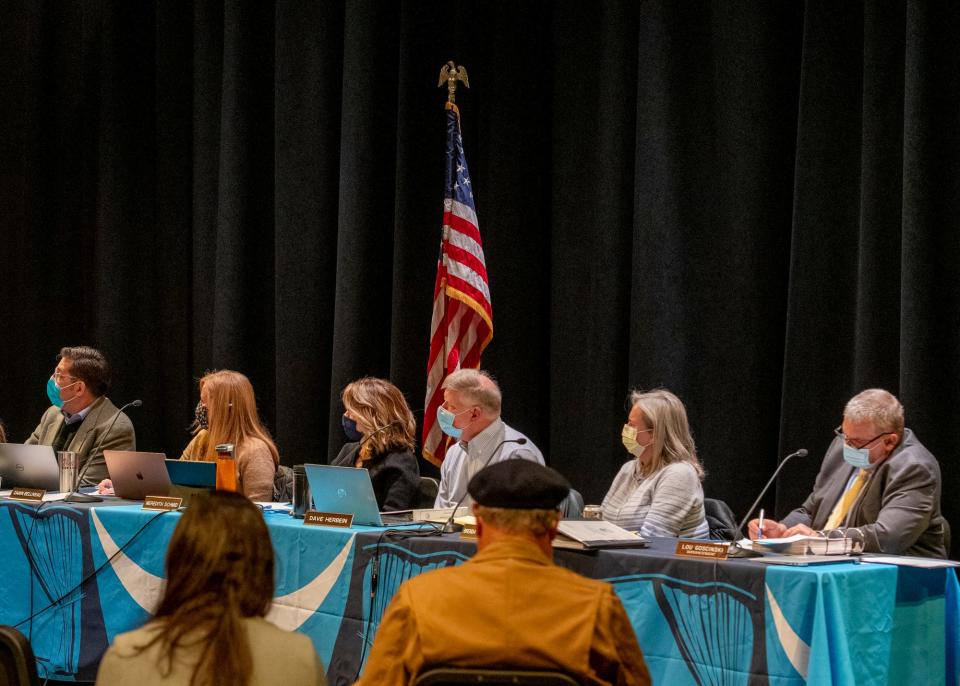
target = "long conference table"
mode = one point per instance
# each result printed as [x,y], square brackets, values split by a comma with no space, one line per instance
[73,577]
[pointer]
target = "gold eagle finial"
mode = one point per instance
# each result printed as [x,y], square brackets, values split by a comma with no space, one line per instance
[450,74]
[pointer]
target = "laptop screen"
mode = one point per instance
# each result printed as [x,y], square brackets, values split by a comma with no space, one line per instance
[345,490]
[28,466]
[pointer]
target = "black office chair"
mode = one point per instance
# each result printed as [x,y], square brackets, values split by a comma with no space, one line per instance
[17,664]
[720,519]
[428,493]
[283,484]
[571,507]
[450,676]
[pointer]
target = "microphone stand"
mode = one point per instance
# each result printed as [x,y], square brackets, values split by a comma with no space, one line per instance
[373,433]
[449,527]
[735,549]
[74,496]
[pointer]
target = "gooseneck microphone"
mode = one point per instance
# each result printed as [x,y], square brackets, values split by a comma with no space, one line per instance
[378,430]
[74,496]
[449,527]
[735,549]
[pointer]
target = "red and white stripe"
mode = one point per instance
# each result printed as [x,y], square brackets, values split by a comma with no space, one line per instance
[462,324]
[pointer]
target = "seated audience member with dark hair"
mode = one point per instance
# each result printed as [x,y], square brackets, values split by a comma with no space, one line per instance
[210,626]
[877,483]
[80,414]
[380,426]
[514,607]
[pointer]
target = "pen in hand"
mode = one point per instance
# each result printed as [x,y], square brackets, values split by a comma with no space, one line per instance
[760,526]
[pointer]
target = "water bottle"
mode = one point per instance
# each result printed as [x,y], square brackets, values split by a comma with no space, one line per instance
[226,468]
[67,459]
[301,492]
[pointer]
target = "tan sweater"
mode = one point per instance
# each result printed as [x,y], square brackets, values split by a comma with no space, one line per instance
[255,465]
[279,657]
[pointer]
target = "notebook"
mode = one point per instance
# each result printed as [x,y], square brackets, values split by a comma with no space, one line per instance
[192,473]
[137,475]
[346,490]
[29,466]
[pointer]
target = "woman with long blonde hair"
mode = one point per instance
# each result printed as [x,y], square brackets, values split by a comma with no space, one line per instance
[227,413]
[658,493]
[380,427]
[209,628]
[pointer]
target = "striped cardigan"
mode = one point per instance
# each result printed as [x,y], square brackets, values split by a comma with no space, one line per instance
[667,503]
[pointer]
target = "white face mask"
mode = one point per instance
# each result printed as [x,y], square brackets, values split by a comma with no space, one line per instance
[628,436]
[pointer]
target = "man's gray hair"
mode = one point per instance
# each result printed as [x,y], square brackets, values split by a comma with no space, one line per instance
[477,386]
[877,406]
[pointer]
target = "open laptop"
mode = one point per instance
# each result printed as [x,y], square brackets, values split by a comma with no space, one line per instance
[29,466]
[346,490]
[137,475]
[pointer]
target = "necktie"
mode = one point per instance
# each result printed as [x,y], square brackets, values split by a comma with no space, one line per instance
[843,505]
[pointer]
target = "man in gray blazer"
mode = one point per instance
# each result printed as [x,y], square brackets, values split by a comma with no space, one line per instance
[877,480]
[80,414]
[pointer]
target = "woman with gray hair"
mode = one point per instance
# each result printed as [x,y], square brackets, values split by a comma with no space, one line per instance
[659,492]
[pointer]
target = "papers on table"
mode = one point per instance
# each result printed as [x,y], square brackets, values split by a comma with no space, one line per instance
[799,544]
[803,560]
[592,533]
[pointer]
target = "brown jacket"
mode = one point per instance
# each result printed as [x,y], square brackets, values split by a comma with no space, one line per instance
[509,606]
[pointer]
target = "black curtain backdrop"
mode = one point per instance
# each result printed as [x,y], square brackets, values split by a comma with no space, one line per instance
[751,204]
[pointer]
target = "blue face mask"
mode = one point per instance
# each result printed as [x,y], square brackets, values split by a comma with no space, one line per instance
[857,457]
[445,419]
[53,392]
[350,428]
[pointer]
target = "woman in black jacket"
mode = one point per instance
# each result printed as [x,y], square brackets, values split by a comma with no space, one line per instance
[380,426]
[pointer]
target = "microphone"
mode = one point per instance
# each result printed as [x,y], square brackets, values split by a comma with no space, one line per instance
[741,552]
[373,433]
[449,527]
[74,496]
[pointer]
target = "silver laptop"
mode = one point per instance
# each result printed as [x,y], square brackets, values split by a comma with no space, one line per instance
[137,475]
[346,490]
[29,466]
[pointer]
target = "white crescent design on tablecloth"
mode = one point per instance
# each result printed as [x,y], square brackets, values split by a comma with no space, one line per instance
[145,588]
[798,652]
[287,612]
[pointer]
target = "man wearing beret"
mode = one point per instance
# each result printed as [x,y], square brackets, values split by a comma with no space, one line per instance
[509,607]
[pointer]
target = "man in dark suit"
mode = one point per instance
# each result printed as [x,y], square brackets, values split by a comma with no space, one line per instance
[877,481]
[80,414]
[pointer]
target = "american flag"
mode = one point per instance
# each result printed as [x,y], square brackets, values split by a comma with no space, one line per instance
[462,323]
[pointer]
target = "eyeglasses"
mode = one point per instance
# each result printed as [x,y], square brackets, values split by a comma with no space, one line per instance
[58,376]
[854,443]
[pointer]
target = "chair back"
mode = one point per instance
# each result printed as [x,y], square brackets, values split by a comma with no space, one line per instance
[283,484]
[451,676]
[720,519]
[17,664]
[427,495]
[571,507]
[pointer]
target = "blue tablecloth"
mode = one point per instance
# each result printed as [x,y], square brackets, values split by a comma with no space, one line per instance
[73,578]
